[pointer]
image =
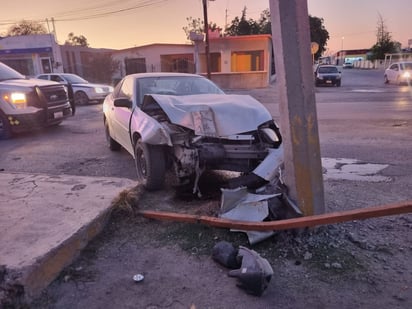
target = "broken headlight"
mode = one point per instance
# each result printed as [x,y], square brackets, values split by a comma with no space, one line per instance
[268,135]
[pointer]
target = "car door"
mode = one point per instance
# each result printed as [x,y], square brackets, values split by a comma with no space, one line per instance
[120,116]
[393,73]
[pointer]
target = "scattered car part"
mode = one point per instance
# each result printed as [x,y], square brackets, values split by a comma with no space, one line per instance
[138,278]
[226,254]
[255,272]
[239,204]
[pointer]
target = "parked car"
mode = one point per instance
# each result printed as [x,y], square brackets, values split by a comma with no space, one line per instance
[328,75]
[84,92]
[27,104]
[399,73]
[186,122]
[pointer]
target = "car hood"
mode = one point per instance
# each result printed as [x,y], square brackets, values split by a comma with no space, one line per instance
[26,82]
[213,114]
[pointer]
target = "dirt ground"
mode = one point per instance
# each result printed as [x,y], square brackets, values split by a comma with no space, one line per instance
[361,264]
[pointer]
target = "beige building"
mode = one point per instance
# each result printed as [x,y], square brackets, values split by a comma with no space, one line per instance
[235,62]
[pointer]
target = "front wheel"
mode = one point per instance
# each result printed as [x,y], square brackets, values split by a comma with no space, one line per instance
[111,143]
[81,98]
[5,130]
[150,163]
[385,79]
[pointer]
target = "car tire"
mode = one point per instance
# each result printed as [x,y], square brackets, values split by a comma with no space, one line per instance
[150,163]
[5,130]
[338,84]
[81,98]
[385,79]
[111,143]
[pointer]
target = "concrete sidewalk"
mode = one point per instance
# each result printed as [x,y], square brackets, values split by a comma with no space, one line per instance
[45,221]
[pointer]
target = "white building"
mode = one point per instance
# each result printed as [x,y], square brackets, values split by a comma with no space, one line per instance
[31,54]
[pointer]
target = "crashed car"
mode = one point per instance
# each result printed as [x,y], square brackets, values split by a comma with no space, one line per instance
[185,122]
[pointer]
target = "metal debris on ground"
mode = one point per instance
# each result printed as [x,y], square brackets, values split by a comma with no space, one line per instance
[253,272]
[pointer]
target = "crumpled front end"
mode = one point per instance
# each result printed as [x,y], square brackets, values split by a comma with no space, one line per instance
[206,136]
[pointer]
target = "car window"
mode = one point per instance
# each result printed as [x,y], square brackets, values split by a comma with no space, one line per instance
[175,85]
[394,67]
[407,66]
[117,89]
[56,78]
[74,79]
[126,89]
[328,70]
[43,77]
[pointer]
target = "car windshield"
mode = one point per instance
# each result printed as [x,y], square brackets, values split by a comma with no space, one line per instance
[328,70]
[74,79]
[176,85]
[407,66]
[9,73]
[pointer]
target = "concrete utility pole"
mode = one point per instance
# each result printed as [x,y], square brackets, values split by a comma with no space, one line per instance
[298,119]
[206,38]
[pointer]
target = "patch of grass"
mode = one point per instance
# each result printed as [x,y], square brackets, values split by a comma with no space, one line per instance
[197,238]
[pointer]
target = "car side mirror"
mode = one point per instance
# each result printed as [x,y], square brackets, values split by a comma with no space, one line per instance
[122,102]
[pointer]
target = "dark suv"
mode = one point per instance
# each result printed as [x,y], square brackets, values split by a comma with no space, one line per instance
[27,104]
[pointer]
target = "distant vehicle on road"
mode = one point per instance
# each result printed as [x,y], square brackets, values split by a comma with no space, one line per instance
[27,104]
[399,73]
[328,75]
[348,65]
[84,91]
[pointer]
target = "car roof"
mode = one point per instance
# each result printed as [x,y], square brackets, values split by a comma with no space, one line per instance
[163,74]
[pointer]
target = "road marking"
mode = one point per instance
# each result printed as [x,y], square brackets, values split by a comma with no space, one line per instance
[352,169]
[374,90]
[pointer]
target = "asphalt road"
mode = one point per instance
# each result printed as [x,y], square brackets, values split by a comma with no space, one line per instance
[363,119]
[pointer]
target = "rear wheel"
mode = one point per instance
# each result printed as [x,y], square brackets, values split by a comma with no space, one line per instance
[81,98]
[111,143]
[150,163]
[5,130]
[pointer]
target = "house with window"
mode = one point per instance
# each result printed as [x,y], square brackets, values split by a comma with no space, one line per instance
[237,62]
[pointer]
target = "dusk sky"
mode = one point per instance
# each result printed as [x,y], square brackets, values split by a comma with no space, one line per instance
[122,24]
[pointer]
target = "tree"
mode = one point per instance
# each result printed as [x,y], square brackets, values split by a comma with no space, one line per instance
[384,43]
[26,27]
[197,25]
[241,26]
[318,34]
[75,40]
[244,26]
